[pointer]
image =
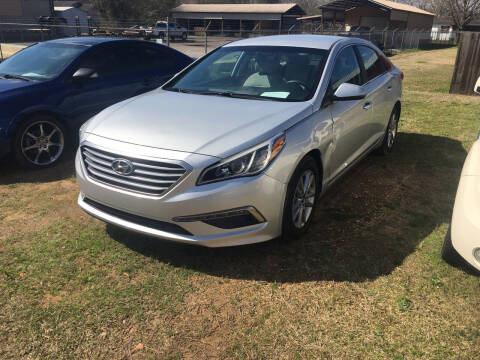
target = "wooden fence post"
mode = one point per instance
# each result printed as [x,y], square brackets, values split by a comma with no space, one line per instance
[467,64]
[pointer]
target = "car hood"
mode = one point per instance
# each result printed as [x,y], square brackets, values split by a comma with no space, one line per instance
[208,125]
[11,84]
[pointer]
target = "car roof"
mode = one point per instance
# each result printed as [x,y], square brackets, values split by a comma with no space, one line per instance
[86,41]
[309,41]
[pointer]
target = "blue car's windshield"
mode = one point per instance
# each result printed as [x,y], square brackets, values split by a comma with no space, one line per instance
[281,73]
[42,61]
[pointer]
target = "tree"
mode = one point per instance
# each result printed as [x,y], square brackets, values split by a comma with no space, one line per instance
[146,11]
[462,12]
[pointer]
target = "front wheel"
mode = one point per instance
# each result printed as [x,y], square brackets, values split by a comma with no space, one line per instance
[40,142]
[390,134]
[184,36]
[301,198]
[449,254]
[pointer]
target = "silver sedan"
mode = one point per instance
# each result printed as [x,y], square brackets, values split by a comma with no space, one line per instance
[238,147]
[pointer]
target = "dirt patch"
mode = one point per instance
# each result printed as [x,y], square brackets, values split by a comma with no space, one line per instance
[40,205]
[49,300]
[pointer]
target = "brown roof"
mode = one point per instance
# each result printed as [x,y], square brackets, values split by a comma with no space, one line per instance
[350,4]
[235,8]
[400,6]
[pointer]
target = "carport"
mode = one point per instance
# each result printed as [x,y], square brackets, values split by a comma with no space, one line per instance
[238,18]
[374,14]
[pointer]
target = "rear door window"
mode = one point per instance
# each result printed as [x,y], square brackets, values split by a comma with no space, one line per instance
[151,58]
[373,64]
[104,61]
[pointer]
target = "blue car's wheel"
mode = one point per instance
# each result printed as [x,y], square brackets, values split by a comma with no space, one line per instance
[40,142]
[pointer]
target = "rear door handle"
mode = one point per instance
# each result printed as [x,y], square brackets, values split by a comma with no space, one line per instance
[389,88]
[367,105]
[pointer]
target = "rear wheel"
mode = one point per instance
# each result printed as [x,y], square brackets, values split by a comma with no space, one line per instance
[301,198]
[40,142]
[184,36]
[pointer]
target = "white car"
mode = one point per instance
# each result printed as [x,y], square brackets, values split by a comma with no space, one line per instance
[462,242]
[175,31]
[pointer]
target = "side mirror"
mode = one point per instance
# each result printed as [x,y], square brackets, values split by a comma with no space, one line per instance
[477,86]
[346,92]
[83,73]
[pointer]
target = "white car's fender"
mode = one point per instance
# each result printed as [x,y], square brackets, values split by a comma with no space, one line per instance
[465,227]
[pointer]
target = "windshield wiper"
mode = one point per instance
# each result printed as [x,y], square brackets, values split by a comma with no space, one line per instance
[233,95]
[179,90]
[11,76]
[229,94]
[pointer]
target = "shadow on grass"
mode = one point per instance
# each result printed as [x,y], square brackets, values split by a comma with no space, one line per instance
[365,225]
[12,173]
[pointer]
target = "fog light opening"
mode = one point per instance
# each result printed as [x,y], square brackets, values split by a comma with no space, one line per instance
[476,254]
[227,219]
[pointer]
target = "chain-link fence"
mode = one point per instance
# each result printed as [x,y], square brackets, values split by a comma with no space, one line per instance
[199,40]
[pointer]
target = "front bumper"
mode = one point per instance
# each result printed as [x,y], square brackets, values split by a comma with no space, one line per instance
[465,228]
[261,192]
[5,144]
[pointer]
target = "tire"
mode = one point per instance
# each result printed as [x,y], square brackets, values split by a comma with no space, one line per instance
[453,258]
[390,134]
[449,254]
[295,224]
[184,36]
[40,142]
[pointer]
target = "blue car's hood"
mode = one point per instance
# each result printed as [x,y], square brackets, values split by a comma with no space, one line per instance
[11,84]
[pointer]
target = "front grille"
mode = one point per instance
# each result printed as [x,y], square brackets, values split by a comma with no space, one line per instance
[140,220]
[148,177]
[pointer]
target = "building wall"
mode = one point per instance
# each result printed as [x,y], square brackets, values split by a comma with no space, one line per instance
[25,9]
[11,8]
[419,22]
[69,15]
[353,17]
[394,19]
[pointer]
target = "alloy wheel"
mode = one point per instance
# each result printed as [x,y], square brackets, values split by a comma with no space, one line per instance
[42,143]
[392,130]
[304,199]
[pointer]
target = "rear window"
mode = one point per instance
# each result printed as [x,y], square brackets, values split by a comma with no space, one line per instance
[373,64]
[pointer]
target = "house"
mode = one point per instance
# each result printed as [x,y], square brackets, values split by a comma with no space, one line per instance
[238,19]
[25,10]
[444,29]
[76,20]
[375,14]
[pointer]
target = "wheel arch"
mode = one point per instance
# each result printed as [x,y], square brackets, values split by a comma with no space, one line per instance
[398,107]
[317,156]
[37,112]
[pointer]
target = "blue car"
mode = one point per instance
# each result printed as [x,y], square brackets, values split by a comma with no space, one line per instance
[49,89]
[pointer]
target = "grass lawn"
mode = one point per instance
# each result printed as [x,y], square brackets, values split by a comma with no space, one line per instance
[366,282]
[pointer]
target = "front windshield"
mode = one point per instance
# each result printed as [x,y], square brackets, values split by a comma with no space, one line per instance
[42,61]
[279,73]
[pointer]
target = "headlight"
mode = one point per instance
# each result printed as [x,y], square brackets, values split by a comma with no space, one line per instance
[81,132]
[247,163]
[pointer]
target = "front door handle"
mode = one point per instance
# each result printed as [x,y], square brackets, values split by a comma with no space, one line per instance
[389,88]
[367,105]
